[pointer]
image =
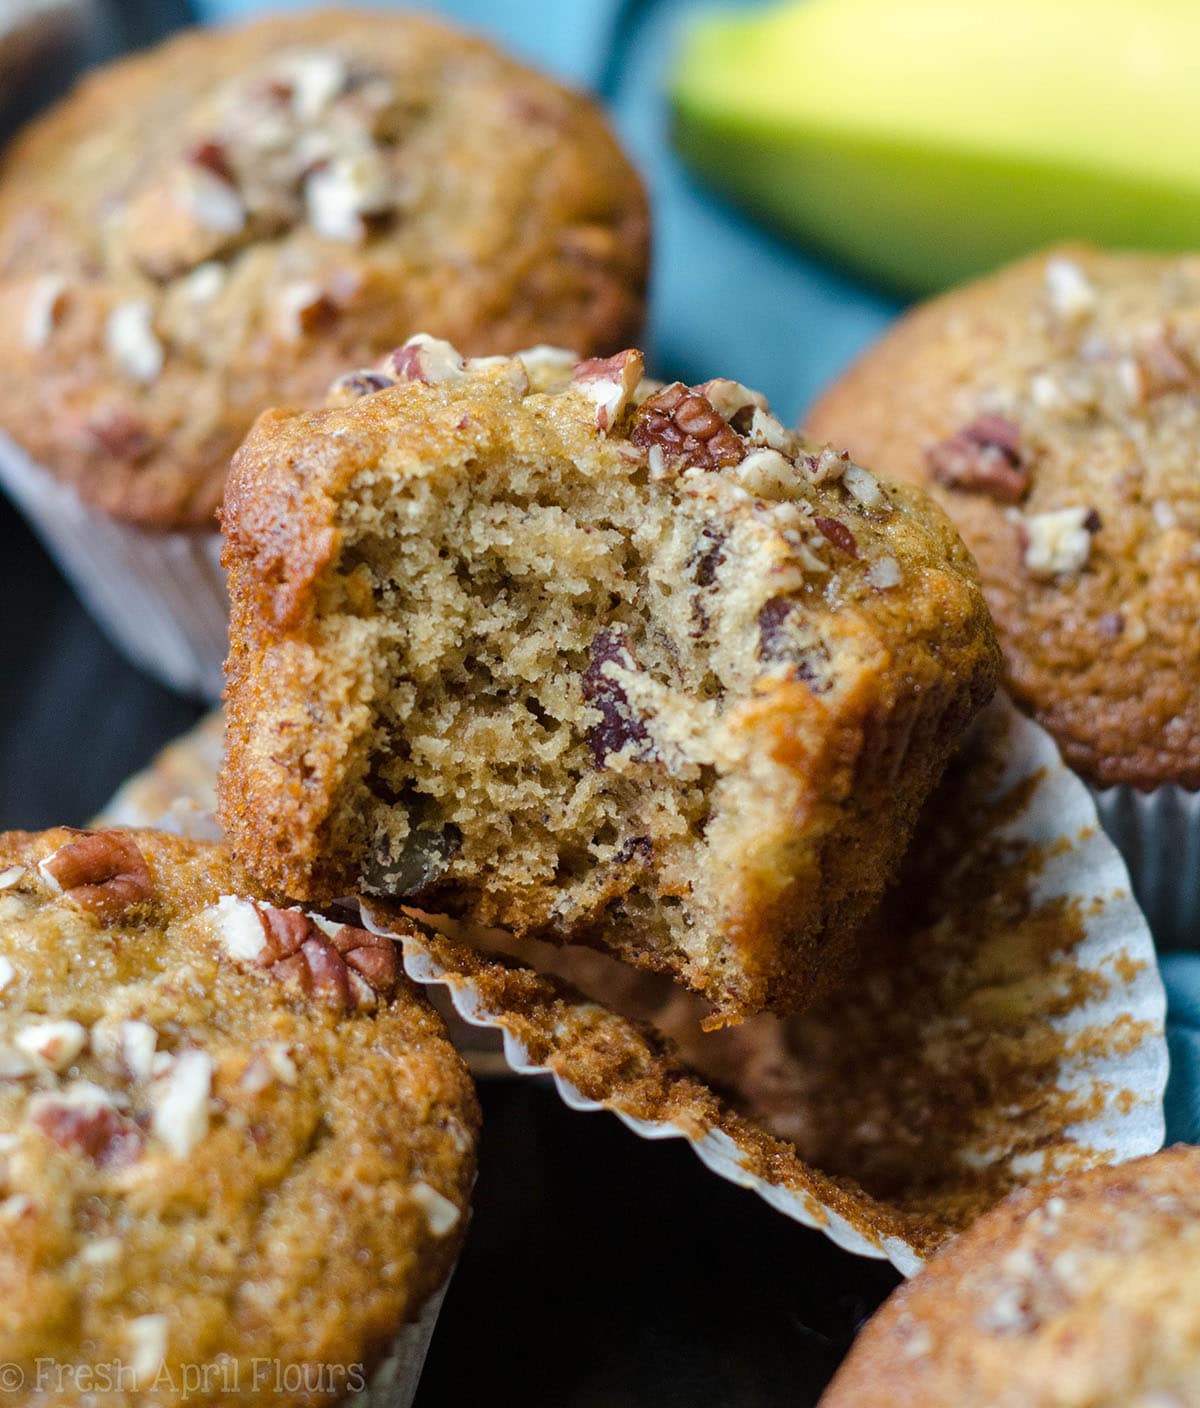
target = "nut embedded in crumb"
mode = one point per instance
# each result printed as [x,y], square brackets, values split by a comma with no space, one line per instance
[53,1044]
[1059,542]
[180,1116]
[1072,295]
[588,658]
[132,341]
[44,309]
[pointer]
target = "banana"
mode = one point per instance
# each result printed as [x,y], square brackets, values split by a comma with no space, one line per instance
[923,141]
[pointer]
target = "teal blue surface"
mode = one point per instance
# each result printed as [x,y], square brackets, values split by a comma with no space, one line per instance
[728,297]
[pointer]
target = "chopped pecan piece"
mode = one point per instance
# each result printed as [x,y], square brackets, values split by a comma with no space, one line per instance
[120,434]
[213,157]
[306,308]
[983,457]
[46,305]
[687,428]
[426,359]
[83,1118]
[1160,365]
[637,849]
[836,532]
[618,725]
[1059,541]
[102,872]
[733,401]
[337,965]
[361,383]
[609,382]
[781,637]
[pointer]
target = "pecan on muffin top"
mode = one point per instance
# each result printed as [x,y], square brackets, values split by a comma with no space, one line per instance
[1054,409]
[229,1132]
[226,221]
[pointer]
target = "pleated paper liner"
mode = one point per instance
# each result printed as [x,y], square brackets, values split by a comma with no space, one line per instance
[1005,1024]
[159,596]
[395,1380]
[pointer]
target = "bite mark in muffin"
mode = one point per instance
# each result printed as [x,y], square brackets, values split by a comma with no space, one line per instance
[591,659]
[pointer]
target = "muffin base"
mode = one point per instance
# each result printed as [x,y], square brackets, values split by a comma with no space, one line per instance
[394,1382]
[159,596]
[1158,834]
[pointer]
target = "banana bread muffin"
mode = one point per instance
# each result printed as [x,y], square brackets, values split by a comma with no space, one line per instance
[1082,1294]
[227,222]
[1054,409]
[236,1147]
[589,659]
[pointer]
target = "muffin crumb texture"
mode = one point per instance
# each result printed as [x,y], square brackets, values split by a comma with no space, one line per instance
[1054,409]
[591,659]
[215,1148]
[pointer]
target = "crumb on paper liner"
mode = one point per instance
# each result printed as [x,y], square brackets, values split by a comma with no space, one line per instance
[1005,1023]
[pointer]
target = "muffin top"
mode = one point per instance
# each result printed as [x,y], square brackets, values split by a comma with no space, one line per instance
[228,1132]
[1054,408]
[1083,1294]
[227,221]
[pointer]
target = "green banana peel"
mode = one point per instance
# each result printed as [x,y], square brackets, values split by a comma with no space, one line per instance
[923,141]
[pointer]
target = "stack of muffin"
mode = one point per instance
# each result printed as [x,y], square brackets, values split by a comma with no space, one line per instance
[521,636]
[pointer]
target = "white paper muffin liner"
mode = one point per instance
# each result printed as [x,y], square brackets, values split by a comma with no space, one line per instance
[159,596]
[1099,1100]
[394,1382]
[1158,833]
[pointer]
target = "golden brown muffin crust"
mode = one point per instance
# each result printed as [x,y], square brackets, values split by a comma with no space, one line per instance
[1054,410]
[227,221]
[1081,1294]
[204,1152]
[807,651]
